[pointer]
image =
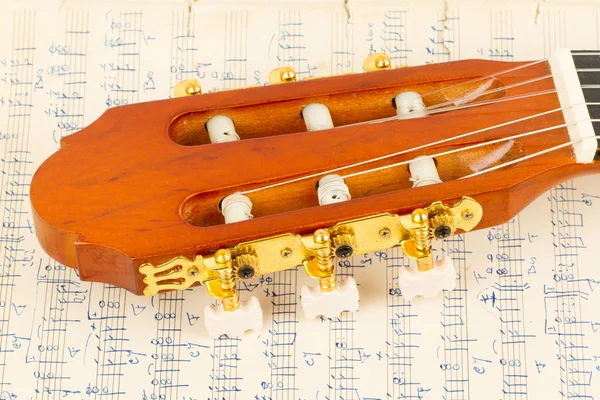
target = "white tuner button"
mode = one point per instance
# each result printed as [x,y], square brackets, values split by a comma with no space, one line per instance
[410,105]
[317,117]
[414,283]
[236,207]
[330,304]
[423,172]
[233,323]
[332,189]
[221,129]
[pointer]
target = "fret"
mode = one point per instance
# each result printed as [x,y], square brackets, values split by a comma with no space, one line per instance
[586,52]
[587,64]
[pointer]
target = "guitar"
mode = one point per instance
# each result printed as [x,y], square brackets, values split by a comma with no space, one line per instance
[210,189]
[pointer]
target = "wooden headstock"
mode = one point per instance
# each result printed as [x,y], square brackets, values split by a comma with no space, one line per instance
[143,183]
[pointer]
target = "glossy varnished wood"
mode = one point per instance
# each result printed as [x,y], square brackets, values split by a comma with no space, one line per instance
[123,191]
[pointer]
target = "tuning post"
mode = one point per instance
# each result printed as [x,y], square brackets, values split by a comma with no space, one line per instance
[236,208]
[221,129]
[409,105]
[282,75]
[317,117]
[423,172]
[332,189]
[188,87]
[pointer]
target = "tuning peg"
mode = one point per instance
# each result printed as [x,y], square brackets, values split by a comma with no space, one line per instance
[429,277]
[423,172]
[221,129]
[235,208]
[410,105]
[219,321]
[282,75]
[233,317]
[331,304]
[331,298]
[377,62]
[414,282]
[316,117]
[188,87]
[332,189]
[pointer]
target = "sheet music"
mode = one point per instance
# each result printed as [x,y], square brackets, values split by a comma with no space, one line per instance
[523,322]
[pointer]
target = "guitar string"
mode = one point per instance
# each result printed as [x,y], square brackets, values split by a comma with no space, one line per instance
[532,155]
[493,101]
[420,147]
[473,95]
[491,91]
[474,146]
[434,108]
[430,144]
[502,72]
[460,107]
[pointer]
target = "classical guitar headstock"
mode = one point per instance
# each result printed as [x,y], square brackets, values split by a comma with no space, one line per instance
[210,189]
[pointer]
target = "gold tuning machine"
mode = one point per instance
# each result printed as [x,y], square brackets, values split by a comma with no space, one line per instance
[220,271]
[316,252]
[324,259]
[282,75]
[188,87]
[377,62]
[227,280]
[437,222]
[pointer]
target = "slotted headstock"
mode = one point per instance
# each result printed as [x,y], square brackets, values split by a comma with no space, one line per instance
[144,184]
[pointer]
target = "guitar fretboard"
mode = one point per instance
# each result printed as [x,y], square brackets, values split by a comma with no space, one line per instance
[587,63]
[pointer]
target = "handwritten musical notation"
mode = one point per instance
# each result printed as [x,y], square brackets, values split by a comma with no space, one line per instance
[524,321]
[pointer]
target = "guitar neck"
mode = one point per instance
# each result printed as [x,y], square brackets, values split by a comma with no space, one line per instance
[587,67]
[587,63]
